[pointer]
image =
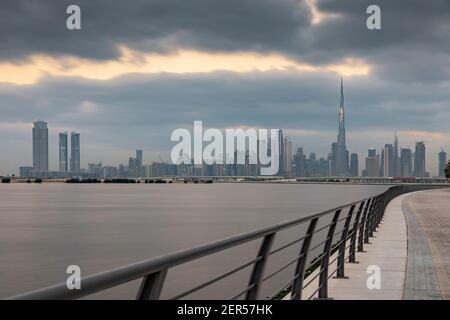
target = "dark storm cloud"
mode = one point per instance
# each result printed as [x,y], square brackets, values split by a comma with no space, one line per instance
[413,45]
[39,26]
[412,31]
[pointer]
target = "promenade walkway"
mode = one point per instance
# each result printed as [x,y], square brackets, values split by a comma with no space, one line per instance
[411,248]
[428,268]
[387,250]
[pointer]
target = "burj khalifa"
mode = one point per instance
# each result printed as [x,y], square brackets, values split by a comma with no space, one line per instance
[341,152]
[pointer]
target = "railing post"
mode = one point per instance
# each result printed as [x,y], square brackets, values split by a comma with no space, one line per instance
[376,213]
[299,274]
[340,273]
[373,226]
[361,226]
[324,264]
[384,205]
[259,267]
[381,209]
[352,256]
[367,229]
[151,285]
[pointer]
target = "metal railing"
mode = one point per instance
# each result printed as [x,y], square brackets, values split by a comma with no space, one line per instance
[347,229]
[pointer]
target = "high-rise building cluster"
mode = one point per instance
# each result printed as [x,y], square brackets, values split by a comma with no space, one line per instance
[394,161]
[391,161]
[72,166]
[40,166]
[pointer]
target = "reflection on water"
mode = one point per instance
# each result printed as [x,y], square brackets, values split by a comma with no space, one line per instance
[44,228]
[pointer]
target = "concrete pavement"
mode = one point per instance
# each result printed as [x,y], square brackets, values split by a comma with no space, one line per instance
[428,218]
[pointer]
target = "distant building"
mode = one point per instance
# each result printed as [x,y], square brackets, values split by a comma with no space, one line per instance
[354,165]
[95,170]
[287,156]
[300,163]
[25,172]
[40,147]
[381,169]
[396,158]
[342,158]
[419,160]
[372,152]
[332,159]
[372,164]
[442,163]
[63,152]
[388,160]
[110,172]
[406,169]
[139,162]
[133,167]
[75,152]
[324,167]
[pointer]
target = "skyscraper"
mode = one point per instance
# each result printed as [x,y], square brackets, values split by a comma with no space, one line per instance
[281,155]
[75,152]
[40,146]
[139,159]
[341,154]
[373,166]
[354,165]
[333,157]
[300,163]
[388,160]
[287,156]
[419,160]
[442,163]
[406,162]
[63,152]
[372,163]
[381,172]
[396,160]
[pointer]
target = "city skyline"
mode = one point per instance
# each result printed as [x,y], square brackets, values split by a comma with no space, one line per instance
[126,89]
[392,161]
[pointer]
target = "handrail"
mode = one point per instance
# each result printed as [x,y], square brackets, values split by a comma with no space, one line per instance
[369,214]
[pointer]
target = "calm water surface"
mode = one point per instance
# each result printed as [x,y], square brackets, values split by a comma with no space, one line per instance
[44,228]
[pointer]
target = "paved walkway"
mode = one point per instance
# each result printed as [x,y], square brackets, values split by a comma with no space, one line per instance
[428,218]
[387,250]
[411,248]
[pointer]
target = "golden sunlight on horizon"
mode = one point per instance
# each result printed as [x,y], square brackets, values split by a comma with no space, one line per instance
[31,70]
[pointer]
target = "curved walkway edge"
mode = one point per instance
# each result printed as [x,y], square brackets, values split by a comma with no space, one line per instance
[427,215]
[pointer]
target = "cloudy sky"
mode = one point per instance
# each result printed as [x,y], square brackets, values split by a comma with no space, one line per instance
[139,69]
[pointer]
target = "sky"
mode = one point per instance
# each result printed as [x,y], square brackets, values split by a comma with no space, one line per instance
[139,69]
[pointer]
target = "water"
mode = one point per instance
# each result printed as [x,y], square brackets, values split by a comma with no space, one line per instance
[44,228]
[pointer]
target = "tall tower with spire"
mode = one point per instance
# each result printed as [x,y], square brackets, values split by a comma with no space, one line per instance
[341,154]
[341,134]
